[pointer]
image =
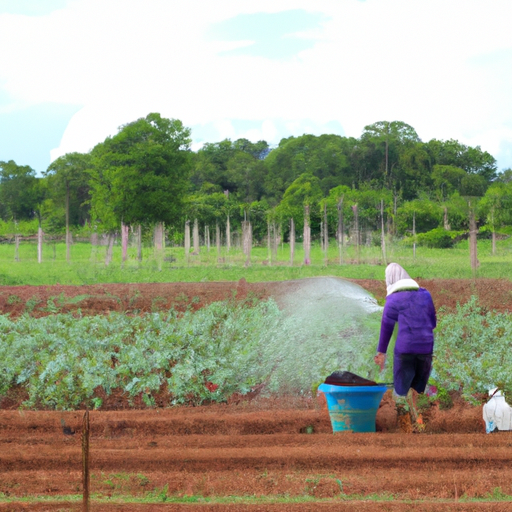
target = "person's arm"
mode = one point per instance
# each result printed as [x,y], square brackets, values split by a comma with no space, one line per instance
[386,331]
[389,319]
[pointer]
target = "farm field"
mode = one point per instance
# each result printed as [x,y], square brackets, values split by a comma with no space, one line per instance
[251,453]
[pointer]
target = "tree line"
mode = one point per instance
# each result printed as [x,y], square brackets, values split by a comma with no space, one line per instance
[147,174]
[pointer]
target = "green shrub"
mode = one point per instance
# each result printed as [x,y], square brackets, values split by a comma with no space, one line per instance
[473,352]
[438,238]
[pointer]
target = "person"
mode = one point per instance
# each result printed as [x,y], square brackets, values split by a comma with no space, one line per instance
[413,309]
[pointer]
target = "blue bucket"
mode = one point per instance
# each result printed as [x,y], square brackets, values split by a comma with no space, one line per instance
[353,408]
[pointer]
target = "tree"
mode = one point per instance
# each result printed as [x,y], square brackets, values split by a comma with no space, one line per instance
[388,140]
[447,179]
[234,166]
[496,208]
[505,176]
[454,153]
[304,191]
[427,215]
[324,157]
[141,174]
[245,175]
[68,183]
[20,191]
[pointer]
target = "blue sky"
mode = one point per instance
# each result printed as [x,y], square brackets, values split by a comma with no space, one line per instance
[73,71]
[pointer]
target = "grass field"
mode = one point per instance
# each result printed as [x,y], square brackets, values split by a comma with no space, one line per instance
[87,265]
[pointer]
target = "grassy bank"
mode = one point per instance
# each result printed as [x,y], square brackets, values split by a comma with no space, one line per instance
[87,264]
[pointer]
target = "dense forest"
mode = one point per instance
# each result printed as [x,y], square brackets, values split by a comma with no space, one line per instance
[146,174]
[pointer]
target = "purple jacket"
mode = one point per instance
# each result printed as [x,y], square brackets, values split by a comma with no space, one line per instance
[416,316]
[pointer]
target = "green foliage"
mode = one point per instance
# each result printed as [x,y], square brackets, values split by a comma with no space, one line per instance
[426,215]
[473,350]
[305,190]
[141,174]
[20,191]
[439,238]
[62,361]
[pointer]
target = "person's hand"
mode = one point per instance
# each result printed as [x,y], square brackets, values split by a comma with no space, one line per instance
[380,360]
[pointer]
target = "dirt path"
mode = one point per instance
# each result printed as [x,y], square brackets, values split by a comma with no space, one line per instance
[250,449]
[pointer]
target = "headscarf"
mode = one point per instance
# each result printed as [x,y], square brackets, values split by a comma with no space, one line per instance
[398,279]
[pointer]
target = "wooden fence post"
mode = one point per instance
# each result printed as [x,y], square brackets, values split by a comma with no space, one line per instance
[86,479]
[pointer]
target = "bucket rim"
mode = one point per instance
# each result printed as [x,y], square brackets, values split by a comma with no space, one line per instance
[331,388]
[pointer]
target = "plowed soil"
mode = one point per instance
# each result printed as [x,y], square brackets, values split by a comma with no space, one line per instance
[146,297]
[280,450]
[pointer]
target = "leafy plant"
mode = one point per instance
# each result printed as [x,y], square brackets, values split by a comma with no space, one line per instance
[204,356]
[473,351]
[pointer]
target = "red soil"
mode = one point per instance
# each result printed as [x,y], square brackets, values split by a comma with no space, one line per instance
[249,447]
[256,448]
[146,297]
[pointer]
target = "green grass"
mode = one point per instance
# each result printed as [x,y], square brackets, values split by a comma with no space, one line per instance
[87,264]
[161,496]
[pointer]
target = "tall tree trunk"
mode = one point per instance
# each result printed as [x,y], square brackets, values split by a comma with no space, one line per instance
[340,228]
[195,237]
[68,255]
[247,241]
[124,241]
[39,244]
[307,237]
[110,248]
[356,229]
[269,246]
[445,219]
[207,237]
[228,234]
[493,232]
[16,247]
[139,242]
[159,243]
[292,241]
[275,240]
[382,233]
[187,239]
[472,240]
[159,236]
[414,234]
[326,236]
[217,238]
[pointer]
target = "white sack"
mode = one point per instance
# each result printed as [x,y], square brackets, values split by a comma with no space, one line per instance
[497,413]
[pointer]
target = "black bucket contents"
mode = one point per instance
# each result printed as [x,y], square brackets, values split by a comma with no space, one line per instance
[340,378]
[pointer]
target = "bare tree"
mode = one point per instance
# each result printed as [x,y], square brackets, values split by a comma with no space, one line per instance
[326,236]
[195,236]
[124,241]
[382,233]
[247,241]
[39,244]
[187,239]
[307,237]
[472,240]
[292,240]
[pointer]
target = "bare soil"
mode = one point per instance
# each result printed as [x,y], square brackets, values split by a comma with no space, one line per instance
[146,297]
[258,448]
[250,446]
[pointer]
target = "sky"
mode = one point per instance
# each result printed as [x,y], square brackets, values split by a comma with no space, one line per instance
[73,71]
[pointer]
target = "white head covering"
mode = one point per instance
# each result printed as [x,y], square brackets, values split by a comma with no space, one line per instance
[398,279]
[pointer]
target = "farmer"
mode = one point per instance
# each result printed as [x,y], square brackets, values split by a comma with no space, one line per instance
[412,307]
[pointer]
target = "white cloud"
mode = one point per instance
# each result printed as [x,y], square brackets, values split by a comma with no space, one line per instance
[373,60]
